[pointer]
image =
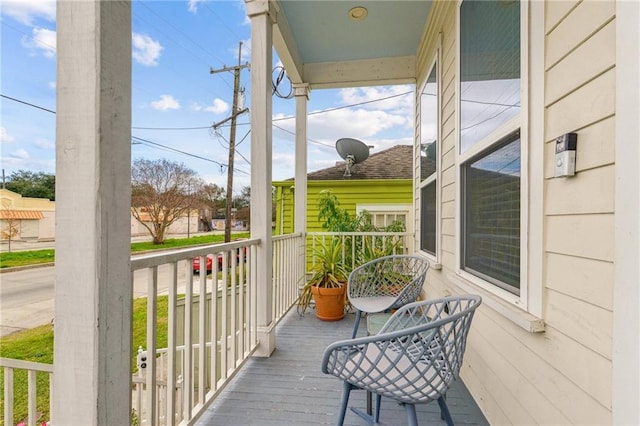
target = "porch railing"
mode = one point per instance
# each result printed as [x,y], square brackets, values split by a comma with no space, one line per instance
[176,384]
[179,383]
[359,247]
[9,367]
[213,314]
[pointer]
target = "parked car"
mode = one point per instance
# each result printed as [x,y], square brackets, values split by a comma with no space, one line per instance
[209,263]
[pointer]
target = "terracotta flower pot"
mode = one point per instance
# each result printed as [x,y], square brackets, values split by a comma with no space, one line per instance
[329,302]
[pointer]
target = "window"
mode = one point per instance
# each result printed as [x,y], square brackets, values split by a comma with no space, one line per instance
[429,107]
[491,227]
[490,142]
[383,215]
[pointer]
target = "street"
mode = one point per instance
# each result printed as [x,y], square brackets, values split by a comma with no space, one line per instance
[27,296]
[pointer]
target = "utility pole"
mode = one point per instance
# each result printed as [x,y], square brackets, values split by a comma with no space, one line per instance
[232,136]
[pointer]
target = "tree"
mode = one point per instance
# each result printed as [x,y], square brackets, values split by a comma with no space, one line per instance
[11,228]
[244,199]
[161,192]
[32,184]
[211,197]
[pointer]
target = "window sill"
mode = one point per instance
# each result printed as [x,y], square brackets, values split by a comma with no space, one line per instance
[523,319]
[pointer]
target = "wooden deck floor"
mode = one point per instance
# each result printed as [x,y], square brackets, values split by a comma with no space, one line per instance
[289,389]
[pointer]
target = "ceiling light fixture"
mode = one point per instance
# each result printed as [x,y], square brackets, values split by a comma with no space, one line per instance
[358,13]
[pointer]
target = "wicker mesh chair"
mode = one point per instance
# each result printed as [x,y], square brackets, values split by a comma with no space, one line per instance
[387,282]
[412,360]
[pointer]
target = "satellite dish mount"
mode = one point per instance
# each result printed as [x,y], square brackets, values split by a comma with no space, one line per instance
[352,152]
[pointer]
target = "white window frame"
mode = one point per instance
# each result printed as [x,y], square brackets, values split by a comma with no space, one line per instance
[437,175]
[517,123]
[386,209]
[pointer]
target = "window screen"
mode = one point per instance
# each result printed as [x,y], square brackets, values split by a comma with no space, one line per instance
[428,218]
[492,215]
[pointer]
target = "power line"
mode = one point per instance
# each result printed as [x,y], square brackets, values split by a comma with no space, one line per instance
[223,22]
[195,43]
[28,103]
[308,139]
[171,128]
[168,148]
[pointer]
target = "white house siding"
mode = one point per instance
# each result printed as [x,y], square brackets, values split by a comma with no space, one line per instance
[564,374]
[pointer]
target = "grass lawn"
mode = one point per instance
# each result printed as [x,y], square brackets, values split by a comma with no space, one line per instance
[25,258]
[36,345]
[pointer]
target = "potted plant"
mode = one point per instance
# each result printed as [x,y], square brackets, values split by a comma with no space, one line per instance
[328,282]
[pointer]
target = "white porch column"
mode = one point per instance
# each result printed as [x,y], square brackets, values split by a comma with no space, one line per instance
[301,92]
[93,295]
[626,291]
[261,16]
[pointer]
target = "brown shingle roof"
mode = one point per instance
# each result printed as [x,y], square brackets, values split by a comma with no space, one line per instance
[393,163]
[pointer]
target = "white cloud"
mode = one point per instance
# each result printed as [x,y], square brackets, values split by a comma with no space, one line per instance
[218,107]
[146,50]
[26,11]
[193,5]
[20,154]
[355,123]
[5,137]
[43,40]
[165,103]
[52,85]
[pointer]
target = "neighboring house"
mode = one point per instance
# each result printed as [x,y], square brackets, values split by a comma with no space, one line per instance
[382,185]
[34,218]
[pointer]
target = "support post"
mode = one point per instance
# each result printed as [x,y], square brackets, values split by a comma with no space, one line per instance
[93,292]
[261,175]
[626,291]
[301,92]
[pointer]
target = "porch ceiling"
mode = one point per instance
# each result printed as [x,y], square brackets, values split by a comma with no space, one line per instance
[321,45]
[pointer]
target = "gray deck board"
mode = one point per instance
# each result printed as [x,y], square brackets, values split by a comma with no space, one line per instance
[289,389]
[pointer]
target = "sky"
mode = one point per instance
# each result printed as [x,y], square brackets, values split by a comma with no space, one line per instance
[175,98]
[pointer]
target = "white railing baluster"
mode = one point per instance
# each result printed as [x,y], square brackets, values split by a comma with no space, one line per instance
[152,321]
[187,353]
[214,329]
[170,414]
[31,397]
[241,304]
[224,319]
[202,348]
[232,317]
[8,396]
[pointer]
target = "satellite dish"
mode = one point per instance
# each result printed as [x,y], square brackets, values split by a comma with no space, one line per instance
[352,151]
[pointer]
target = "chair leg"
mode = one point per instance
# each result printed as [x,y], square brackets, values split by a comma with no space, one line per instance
[444,411]
[346,390]
[356,323]
[412,418]
[376,417]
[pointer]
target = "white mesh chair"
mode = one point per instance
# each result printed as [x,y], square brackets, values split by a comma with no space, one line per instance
[387,282]
[412,360]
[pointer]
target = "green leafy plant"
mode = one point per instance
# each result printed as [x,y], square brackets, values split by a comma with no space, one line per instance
[335,218]
[329,271]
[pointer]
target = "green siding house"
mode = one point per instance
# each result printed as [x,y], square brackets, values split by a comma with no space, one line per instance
[382,185]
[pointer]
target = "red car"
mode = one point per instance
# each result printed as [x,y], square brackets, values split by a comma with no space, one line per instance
[196,261]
